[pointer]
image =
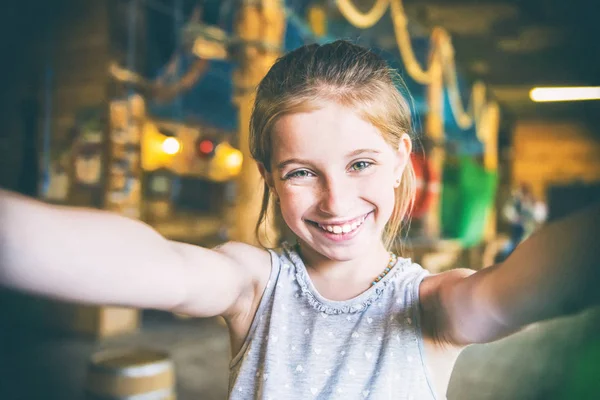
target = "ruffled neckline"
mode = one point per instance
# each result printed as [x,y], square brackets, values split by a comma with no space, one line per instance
[354,305]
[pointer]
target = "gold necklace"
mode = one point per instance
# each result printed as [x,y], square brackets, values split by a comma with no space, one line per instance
[388,268]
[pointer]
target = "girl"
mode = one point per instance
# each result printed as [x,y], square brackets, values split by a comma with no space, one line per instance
[337,315]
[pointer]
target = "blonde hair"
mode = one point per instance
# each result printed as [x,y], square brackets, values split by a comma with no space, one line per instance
[351,76]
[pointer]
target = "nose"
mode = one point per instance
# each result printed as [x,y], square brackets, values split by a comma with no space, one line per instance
[336,196]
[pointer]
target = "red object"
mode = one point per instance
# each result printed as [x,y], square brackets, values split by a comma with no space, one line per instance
[206,147]
[428,185]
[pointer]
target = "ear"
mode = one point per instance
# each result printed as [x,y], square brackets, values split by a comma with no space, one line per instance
[403,154]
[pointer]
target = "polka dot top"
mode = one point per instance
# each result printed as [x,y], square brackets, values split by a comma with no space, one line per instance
[304,346]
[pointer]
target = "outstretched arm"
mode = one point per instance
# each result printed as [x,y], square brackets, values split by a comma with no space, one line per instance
[554,272]
[98,257]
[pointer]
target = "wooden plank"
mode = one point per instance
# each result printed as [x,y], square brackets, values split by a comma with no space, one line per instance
[78,76]
[82,72]
[74,97]
[84,58]
[95,40]
[82,18]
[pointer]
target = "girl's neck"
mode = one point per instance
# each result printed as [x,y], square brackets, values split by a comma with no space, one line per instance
[364,268]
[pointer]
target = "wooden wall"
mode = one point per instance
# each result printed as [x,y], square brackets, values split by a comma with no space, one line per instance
[69,39]
[547,153]
[80,61]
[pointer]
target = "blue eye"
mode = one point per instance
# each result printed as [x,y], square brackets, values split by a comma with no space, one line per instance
[301,173]
[360,165]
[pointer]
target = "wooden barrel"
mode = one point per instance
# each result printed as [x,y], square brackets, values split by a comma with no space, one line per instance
[130,374]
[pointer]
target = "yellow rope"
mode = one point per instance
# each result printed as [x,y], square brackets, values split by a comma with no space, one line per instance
[477,103]
[360,19]
[463,120]
[485,116]
[407,53]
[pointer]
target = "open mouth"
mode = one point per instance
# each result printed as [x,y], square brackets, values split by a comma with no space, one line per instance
[345,229]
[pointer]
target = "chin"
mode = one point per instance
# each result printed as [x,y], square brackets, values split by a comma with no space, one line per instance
[338,251]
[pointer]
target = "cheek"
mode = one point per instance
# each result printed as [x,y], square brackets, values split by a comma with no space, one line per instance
[294,203]
[379,186]
[380,192]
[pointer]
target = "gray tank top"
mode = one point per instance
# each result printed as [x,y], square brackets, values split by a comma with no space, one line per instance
[303,346]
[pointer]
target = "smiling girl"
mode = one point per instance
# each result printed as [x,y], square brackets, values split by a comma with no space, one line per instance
[337,315]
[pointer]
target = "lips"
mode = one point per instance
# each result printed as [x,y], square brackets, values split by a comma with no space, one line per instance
[341,227]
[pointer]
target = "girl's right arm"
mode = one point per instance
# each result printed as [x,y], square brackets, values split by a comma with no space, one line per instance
[94,256]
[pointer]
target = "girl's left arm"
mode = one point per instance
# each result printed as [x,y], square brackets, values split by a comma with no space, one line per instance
[555,272]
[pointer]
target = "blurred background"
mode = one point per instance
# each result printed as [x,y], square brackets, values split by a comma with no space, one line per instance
[141,107]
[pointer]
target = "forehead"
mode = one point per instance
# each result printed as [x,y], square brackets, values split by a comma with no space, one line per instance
[327,131]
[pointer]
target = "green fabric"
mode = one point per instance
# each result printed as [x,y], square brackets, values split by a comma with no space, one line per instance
[468,193]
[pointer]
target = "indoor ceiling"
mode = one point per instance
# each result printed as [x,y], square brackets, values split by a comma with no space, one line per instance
[512,45]
[515,45]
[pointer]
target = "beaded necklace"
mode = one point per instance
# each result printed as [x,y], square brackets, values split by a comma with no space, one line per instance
[388,268]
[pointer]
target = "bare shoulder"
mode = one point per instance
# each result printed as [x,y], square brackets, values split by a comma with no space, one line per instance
[222,280]
[255,261]
[252,258]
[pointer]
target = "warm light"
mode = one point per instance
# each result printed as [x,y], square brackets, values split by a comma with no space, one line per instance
[226,164]
[565,93]
[157,150]
[233,161]
[171,145]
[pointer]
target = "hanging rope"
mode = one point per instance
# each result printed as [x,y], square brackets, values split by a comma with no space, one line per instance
[478,102]
[360,19]
[440,43]
[487,133]
[462,118]
[400,22]
[407,53]
[173,80]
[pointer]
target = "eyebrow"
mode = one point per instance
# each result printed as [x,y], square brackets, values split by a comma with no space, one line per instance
[354,153]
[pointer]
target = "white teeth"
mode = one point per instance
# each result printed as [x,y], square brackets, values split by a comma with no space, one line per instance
[337,229]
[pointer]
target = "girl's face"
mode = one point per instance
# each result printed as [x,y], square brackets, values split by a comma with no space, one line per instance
[335,176]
